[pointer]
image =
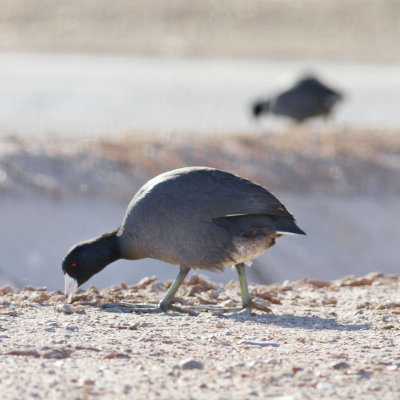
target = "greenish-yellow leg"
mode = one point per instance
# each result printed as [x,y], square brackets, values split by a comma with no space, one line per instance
[247,303]
[166,302]
[164,305]
[244,291]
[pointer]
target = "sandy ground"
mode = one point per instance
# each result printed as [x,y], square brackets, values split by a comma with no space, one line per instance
[323,340]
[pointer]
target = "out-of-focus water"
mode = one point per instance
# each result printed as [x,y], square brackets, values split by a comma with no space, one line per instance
[72,94]
[350,235]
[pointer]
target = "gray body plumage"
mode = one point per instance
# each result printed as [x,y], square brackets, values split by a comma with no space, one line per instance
[194,217]
[202,218]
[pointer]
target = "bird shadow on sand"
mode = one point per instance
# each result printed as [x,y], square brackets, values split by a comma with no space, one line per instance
[299,322]
[285,320]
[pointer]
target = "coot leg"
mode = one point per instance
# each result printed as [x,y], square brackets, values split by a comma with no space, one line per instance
[247,303]
[246,300]
[244,291]
[165,303]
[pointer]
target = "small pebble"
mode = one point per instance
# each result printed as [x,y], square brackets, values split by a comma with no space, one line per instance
[64,308]
[71,328]
[80,310]
[10,313]
[219,324]
[6,290]
[126,389]
[341,365]
[253,363]
[57,353]
[58,363]
[190,363]
[324,386]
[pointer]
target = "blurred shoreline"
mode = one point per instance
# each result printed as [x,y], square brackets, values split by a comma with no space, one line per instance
[298,160]
[347,30]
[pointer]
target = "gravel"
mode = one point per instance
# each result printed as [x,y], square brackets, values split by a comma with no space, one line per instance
[322,340]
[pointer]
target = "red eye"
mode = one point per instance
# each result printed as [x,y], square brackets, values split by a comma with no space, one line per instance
[73,265]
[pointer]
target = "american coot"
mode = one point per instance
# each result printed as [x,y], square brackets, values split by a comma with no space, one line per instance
[307,98]
[194,217]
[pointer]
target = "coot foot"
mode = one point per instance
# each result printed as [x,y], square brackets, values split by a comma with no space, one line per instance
[226,310]
[130,307]
[247,302]
[146,308]
[166,303]
[217,309]
[257,306]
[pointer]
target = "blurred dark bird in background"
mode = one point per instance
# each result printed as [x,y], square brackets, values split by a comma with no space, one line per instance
[308,98]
